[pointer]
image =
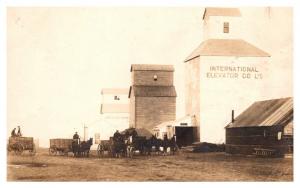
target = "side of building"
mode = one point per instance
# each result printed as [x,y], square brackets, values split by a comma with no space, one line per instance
[152,95]
[264,125]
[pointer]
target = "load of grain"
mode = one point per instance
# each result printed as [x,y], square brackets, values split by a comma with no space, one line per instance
[61,142]
[26,142]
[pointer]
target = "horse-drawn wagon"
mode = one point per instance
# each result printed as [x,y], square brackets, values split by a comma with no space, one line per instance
[60,146]
[132,141]
[20,144]
[65,145]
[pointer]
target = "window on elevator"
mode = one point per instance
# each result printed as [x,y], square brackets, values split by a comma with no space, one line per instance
[226,27]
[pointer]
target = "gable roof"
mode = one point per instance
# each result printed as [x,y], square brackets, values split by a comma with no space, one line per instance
[227,47]
[265,113]
[150,67]
[152,91]
[214,11]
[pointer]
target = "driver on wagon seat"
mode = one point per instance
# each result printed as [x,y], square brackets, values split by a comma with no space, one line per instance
[76,137]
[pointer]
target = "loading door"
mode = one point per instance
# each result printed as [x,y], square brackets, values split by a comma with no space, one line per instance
[185,135]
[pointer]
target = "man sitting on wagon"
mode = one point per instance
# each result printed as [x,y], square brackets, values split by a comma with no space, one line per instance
[13,133]
[76,137]
[19,132]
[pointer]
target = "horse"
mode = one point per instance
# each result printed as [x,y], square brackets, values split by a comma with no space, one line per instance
[173,145]
[75,147]
[152,144]
[135,143]
[85,147]
[170,143]
[82,148]
[118,147]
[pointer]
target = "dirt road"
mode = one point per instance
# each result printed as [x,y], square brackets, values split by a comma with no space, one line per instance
[181,167]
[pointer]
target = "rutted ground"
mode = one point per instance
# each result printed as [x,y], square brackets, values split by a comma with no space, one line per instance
[181,167]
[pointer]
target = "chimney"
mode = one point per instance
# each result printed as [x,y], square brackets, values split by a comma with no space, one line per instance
[232,116]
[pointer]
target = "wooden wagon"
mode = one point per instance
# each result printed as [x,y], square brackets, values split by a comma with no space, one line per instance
[20,144]
[60,146]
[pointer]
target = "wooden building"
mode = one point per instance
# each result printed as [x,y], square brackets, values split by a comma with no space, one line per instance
[264,125]
[152,95]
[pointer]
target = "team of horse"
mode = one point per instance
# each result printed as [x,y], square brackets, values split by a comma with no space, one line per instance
[127,145]
[82,148]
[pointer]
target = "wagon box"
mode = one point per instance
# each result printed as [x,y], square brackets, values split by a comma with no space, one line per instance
[60,145]
[27,141]
[19,144]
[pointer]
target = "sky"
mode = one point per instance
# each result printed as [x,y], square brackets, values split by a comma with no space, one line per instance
[59,59]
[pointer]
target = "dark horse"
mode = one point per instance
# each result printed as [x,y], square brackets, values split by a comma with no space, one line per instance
[82,149]
[152,145]
[118,147]
[169,143]
[135,143]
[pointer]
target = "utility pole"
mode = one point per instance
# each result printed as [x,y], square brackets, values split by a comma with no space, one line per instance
[85,132]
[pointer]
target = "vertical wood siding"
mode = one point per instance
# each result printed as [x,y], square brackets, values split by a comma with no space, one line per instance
[151,111]
[145,78]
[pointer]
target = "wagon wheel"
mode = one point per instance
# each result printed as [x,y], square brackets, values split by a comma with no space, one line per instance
[8,148]
[101,150]
[65,152]
[111,151]
[18,149]
[33,150]
[52,151]
[176,150]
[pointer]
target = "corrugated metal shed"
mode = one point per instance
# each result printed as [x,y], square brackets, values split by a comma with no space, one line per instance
[227,47]
[265,113]
[214,11]
[153,91]
[149,67]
